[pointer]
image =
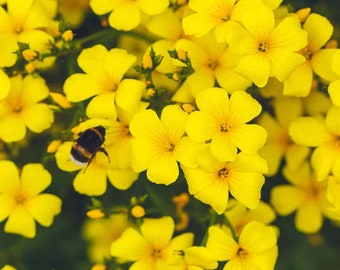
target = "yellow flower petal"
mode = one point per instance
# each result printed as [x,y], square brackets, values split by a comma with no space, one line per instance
[102,106]
[5,206]
[158,231]
[79,87]
[309,131]
[84,181]
[193,24]
[20,222]
[102,7]
[174,121]
[221,244]
[321,64]
[285,199]
[126,16]
[214,101]
[122,179]
[255,67]
[249,138]
[9,176]
[256,238]
[198,126]
[34,90]
[131,246]
[12,128]
[323,159]
[334,92]
[5,84]
[91,60]
[151,7]
[63,159]
[35,179]
[309,218]
[186,152]
[163,169]
[332,120]
[299,83]
[243,107]
[201,257]
[43,208]
[319,31]
[38,117]
[223,148]
[129,94]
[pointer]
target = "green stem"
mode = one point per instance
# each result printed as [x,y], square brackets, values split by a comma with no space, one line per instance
[228,223]
[212,221]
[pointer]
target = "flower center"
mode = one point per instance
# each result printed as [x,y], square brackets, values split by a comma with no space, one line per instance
[20,198]
[306,53]
[223,173]
[156,253]
[242,253]
[213,64]
[224,127]
[16,105]
[169,146]
[263,47]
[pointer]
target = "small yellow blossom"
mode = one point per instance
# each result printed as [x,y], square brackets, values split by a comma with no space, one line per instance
[126,15]
[153,246]
[21,201]
[53,146]
[213,180]
[200,257]
[256,247]
[305,195]
[22,108]
[159,143]
[60,100]
[223,120]
[99,233]
[265,46]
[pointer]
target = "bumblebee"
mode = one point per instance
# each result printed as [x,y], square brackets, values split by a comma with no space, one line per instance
[89,142]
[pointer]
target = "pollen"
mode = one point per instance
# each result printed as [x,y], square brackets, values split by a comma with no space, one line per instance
[263,47]
[242,253]
[156,253]
[224,127]
[169,146]
[223,173]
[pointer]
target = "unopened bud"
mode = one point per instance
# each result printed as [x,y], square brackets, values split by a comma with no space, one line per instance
[99,266]
[182,55]
[147,61]
[150,92]
[189,108]
[53,146]
[175,77]
[138,211]
[29,54]
[67,35]
[95,214]
[30,67]
[60,100]
[303,13]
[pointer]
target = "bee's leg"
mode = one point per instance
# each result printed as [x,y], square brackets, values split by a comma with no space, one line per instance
[88,163]
[101,149]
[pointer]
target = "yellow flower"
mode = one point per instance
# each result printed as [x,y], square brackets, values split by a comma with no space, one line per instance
[5,84]
[104,71]
[223,121]
[159,143]
[239,216]
[319,30]
[256,247]
[199,258]
[21,201]
[21,108]
[152,248]
[334,86]
[23,21]
[100,234]
[212,181]
[126,14]
[211,62]
[279,144]
[217,15]
[267,50]
[305,195]
[323,134]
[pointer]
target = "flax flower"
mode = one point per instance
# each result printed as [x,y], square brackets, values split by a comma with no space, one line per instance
[223,120]
[267,50]
[125,14]
[159,143]
[22,108]
[212,181]
[21,201]
[304,195]
[153,247]
[323,134]
[104,71]
[24,21]
[256,247]
[299,83]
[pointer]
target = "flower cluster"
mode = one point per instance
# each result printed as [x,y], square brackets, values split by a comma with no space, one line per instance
[185,108]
